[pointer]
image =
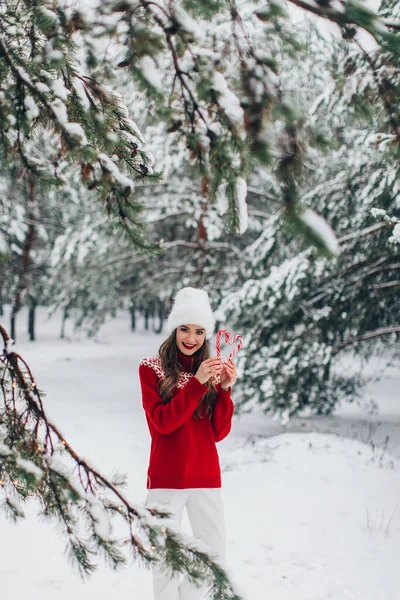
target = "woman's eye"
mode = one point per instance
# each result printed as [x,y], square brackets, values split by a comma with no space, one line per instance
[197,332]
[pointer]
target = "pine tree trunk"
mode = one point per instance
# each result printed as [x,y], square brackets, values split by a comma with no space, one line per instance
[202,237]
[161,313]
[31,320]
[64,318]
[16,307]
[132,310]
[148,314]
[12,327]
[26,251]
[146,317]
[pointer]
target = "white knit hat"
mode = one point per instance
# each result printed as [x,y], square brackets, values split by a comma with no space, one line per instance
[191,307]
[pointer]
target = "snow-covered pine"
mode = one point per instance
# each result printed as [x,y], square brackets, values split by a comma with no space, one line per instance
[103,275]
[55,112]
[220,98]
[300,312]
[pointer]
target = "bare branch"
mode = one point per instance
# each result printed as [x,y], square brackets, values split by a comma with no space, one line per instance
[367,336]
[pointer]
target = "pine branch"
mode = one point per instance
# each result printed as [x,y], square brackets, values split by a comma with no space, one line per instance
[354,273]
[359,233]
[344,19]
[50,481]
[384,92]
[115,187]
[157,276]
[367,336]
[388,284]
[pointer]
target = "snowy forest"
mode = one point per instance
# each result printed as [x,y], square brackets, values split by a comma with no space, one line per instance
[249,148]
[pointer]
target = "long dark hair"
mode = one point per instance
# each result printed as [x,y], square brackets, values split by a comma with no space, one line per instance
[168,353]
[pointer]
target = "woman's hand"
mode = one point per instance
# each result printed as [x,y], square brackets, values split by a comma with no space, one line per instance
[228,375]
[211,367]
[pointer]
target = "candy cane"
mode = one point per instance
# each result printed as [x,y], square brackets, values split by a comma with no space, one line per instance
[240,344]
[227,338]
[218,340]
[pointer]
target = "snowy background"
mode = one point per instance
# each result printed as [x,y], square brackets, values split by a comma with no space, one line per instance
[312,510]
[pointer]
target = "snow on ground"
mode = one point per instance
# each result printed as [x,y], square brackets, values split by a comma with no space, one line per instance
[310,515]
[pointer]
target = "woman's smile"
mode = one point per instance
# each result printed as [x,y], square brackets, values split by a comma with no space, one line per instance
[189,346]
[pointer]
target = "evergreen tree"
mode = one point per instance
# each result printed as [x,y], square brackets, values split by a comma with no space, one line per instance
[300,311]
[55,77]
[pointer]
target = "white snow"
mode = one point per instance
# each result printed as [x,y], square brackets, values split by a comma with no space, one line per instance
[76,130]
[60,110]
[42,87]
[222,199]
[395,237]
[378,213]
[101,521]
[151,73]
[322,229]
[112,168]
[16,503]
[59,89]
[29,467]
[23,74]
[112,137]
[5,450]
[32,110]
[310,515]
[228,101]
[55,55]
[186,23]
[241,194]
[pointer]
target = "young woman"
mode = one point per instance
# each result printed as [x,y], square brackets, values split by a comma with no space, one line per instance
[187,412]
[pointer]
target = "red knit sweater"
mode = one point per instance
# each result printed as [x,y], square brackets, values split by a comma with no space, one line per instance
[183,453]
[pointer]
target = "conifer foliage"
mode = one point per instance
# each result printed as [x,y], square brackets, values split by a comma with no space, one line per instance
[59,105]
[37,462]
[302,312]
[55,114]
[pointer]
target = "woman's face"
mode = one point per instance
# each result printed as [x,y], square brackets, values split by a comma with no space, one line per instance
[190,338]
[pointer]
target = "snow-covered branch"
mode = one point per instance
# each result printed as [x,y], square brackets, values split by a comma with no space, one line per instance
[41,470]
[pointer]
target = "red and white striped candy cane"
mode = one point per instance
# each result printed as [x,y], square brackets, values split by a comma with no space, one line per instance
[227,338]
[218,340]
[236,350]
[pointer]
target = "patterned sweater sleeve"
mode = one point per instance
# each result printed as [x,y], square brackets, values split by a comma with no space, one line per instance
[168,417]
[222,414]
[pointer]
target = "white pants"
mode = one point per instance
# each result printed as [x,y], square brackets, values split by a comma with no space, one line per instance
[206,517]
